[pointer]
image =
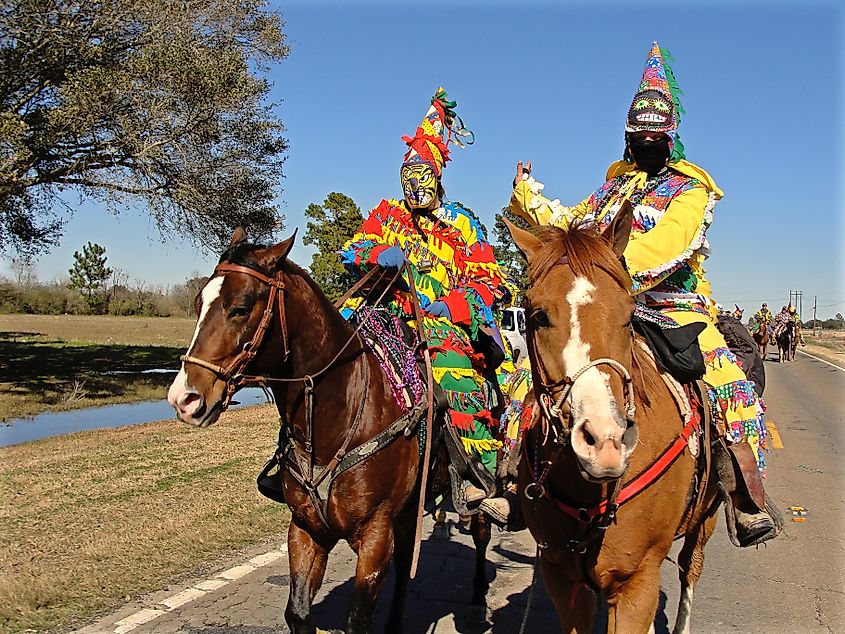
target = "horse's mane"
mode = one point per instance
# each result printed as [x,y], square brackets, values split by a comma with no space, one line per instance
[584,248]
[241,254]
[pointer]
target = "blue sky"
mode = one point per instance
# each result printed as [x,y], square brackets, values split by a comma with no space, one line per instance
[551,83]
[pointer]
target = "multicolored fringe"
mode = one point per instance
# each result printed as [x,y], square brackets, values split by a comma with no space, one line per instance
[732,397]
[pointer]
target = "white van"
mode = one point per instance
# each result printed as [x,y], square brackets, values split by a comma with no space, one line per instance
[513,329]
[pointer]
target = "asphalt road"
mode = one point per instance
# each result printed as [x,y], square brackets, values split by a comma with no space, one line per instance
[794,584]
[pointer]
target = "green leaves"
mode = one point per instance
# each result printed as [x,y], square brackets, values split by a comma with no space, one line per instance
[130,101]
[335,222]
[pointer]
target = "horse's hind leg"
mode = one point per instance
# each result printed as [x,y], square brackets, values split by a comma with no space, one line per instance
[403,547]
[374,547]
[691,563]
[307,566]
[480,528]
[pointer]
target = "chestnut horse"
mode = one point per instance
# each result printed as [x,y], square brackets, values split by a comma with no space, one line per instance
[605,496]
[761,337]
[260,312]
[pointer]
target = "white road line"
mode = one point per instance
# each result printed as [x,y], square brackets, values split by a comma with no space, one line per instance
[134,620]
[180,599]
[198,590]
[812,356]
[237,572]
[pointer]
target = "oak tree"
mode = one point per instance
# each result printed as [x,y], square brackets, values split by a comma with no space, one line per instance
[141,104]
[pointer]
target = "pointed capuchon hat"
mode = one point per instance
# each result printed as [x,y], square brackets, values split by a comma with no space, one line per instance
[656,105]
[428,145]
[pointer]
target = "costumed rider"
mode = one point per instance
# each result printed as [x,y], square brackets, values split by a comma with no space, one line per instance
[457,280]
[797,330]
[763,317]
[781,321]
[673,203]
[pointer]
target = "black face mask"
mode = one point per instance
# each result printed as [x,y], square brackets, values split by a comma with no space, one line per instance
[650,156]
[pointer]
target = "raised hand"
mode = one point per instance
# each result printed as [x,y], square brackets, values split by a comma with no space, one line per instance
[521,172]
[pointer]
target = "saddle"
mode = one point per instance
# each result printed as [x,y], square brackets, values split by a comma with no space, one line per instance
[395,346]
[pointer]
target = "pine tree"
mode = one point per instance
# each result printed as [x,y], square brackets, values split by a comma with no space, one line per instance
[506,251]
[89,275]
[335,222]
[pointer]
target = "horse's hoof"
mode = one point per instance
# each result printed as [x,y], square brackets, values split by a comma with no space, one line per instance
[440,531]
[477,613]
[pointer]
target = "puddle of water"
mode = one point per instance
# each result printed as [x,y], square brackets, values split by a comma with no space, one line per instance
[20,430]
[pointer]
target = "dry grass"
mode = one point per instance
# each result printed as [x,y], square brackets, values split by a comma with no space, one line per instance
[59,362]
[826,344]
[100,329]
[89,518]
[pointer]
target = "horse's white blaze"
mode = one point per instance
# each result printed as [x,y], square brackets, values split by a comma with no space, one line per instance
[682,623]
[591,391]
[209,294]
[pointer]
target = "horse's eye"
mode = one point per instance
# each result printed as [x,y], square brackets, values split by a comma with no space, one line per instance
[540,318]
[239,311]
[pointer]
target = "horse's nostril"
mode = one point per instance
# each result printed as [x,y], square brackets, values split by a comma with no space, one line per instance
[588,437]
[190,402]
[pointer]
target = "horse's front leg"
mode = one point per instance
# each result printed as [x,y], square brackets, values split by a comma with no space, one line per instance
[574,601]
[307,566]
[632,606]
[690,565]
[480,527]
[374,547]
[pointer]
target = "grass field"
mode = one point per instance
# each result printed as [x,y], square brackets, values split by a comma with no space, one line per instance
[60,362]
[89,519]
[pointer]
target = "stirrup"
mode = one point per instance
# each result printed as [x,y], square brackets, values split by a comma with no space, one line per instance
[499,509]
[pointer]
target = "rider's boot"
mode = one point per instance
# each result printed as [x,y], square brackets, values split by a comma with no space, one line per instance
[498,508]
[751,518]
[473,495]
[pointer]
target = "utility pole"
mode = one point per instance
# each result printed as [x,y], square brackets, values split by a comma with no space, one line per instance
[815,323]
[796,298]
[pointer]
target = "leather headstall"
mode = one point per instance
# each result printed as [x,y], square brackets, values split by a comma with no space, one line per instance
[232,374]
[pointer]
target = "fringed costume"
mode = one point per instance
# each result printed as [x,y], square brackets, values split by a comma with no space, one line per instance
[673,209]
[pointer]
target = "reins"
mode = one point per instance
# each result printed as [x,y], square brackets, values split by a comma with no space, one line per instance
[235,378]
[232,374]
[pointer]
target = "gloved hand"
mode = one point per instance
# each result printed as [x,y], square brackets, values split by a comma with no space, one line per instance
[439,308]
[391,258]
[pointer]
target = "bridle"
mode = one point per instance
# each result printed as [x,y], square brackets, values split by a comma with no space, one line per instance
[232,374]
[553,408]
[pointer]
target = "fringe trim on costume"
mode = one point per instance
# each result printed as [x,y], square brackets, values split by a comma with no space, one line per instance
[456,373]
[713,358]
[641,279]
[558,210]
[730,396]
[472,445]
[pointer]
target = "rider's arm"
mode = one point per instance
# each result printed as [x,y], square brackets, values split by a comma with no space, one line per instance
[528,202]
[360,253]
[656,254]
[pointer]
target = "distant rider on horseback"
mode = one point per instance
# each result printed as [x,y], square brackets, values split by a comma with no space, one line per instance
[673,203]
[457,280]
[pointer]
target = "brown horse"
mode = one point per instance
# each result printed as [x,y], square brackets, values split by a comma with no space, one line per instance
[261,313]
[605,496]
[761,337]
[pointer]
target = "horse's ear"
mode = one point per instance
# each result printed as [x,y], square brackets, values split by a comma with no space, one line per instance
[619,230]
[525,241]
[272,257]
[238,236]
